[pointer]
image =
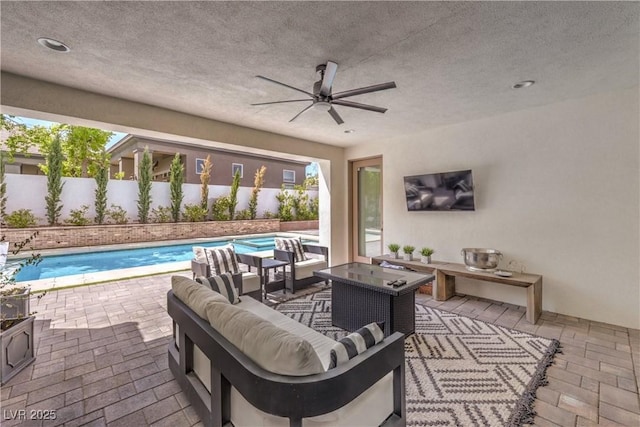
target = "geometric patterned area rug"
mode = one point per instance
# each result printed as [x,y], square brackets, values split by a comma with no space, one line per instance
[459,371]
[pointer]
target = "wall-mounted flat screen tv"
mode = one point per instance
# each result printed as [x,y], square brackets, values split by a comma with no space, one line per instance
[448,191]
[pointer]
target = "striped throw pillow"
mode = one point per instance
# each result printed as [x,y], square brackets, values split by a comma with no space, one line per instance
[355,343]
[291,245]
[223,284]
[222,260]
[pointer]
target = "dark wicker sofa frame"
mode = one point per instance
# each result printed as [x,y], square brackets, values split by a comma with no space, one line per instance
[291,282]
[294,398]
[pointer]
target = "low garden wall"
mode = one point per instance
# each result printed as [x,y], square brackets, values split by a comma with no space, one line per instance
[98,235]
[299,225]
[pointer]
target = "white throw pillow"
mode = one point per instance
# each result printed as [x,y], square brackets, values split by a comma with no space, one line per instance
[291,245]
[223,284]
[199,255]
[222,260]
[355,343]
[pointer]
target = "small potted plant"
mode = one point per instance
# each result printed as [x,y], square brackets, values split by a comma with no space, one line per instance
[426,255]
[394,248]
[408,252]
[16,322]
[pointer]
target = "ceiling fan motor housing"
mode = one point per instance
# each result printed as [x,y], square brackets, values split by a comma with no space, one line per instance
[318,85]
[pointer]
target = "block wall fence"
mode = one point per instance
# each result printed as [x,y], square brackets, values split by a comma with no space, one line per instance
[99,235]
[29,191]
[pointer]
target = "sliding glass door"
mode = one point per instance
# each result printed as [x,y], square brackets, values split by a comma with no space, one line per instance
[367,209]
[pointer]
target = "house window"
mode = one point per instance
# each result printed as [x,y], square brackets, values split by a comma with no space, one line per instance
[199,166]
[237,167]
[288,176]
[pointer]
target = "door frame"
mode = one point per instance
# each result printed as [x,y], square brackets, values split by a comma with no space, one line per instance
[353,204]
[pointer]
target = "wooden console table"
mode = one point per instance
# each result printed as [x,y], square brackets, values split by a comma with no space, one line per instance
[446,273]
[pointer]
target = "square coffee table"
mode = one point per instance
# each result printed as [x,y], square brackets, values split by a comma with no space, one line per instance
[361,294]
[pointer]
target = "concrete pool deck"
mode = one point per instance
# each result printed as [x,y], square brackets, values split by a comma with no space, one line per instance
[62,282]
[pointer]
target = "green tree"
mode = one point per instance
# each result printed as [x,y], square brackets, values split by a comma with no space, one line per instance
[3,189]
[102,179]
[233,195]
[21,138]
[176,177]
[204,182]
[258,182]
[54,181]
[84,150]
[144,187]
[81,146]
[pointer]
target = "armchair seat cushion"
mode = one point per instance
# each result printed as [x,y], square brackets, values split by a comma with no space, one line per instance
[250,282]
[305,268]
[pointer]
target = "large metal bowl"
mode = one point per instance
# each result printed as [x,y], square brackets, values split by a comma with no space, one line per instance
[481,259]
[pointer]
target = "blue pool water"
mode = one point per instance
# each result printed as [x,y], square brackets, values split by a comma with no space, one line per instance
[91,262]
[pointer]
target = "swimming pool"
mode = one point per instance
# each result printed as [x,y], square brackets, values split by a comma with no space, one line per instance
[92,262]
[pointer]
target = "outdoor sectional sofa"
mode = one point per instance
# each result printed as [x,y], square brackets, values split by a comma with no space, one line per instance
[228,382]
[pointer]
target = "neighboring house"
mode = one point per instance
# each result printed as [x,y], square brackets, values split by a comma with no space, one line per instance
[128,151]
[225,163]
[25,164]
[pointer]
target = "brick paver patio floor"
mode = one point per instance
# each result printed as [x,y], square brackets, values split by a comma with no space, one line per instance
[102,360]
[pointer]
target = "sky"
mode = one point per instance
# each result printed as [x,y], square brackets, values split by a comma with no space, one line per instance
[312,169]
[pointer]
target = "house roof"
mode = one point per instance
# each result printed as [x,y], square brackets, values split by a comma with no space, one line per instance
[130,142]
[452,61]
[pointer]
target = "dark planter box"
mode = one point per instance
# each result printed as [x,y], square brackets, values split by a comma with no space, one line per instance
[17,348]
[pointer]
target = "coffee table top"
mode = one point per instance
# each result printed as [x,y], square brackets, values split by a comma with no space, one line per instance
[375,277]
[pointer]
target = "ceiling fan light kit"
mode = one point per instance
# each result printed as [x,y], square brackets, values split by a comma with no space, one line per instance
[322,97]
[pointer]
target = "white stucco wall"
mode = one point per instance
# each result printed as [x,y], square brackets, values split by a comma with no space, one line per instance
[29,191]
[557,188]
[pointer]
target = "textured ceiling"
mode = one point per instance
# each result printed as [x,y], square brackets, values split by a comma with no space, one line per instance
[452,61]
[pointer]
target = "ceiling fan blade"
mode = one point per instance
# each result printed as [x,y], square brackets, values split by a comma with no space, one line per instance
[300,113]
[327,80]
[362,90]
[280,102]
[358,105]
[285,85]
[336,116]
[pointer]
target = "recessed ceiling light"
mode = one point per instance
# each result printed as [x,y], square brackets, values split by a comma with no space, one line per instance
[53,44]
[349,131]
[523,84]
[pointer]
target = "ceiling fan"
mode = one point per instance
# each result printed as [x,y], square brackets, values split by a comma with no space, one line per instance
[323,98]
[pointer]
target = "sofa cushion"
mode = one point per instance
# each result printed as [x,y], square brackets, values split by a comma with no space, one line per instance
[223,284]
[321,343]
[291,245]
[195,295]
[269,346]
[356,343]
[222,260]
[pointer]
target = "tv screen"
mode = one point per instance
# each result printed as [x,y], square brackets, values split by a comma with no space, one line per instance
[448,191]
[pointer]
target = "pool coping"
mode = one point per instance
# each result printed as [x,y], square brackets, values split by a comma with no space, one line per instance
[62,282]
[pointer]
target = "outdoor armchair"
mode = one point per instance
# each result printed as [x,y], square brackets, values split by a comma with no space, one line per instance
[250,266]
[299,274]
